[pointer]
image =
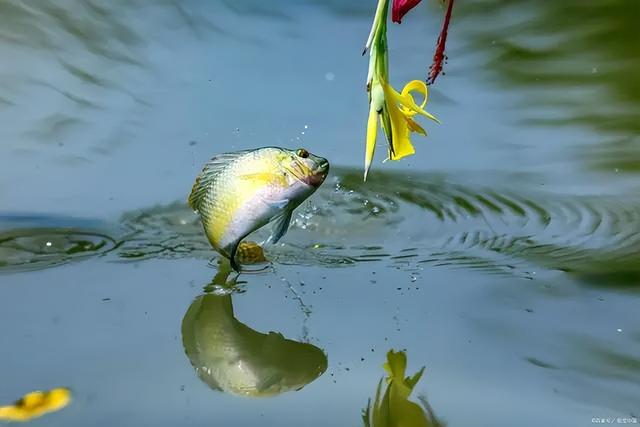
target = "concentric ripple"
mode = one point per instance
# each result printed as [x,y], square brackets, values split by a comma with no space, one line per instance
[405,222]
[31,245]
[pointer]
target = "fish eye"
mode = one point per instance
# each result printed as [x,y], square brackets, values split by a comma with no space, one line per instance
[301,152]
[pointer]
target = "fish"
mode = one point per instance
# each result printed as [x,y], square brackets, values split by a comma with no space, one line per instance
[234,358]
[237,193]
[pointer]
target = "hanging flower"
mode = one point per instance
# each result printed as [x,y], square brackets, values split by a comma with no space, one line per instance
[399,8]
[439,57]
[394,110]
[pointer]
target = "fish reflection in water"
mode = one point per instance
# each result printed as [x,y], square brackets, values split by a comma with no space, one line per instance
[393,408]
[234,358]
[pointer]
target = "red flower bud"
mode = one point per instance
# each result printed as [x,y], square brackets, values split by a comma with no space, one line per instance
[400,8]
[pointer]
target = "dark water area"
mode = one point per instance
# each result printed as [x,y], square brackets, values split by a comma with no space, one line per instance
[504,256]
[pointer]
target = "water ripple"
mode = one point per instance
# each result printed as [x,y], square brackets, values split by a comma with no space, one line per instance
[390,220]
[37,248]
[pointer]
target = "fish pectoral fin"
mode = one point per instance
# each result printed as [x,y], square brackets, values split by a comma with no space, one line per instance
[280,225]
[278,204]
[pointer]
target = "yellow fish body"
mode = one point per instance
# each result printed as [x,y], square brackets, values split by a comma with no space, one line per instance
[238,193]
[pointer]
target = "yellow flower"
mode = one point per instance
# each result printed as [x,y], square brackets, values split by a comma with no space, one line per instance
[395,110]
[396,116]
[393,408]
[36,404]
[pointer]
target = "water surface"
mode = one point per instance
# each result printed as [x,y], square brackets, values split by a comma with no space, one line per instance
[503,256]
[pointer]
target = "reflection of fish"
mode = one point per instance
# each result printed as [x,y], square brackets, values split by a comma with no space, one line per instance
[36,404]
[230,356]
[237,193]
[247,253]
[394,409]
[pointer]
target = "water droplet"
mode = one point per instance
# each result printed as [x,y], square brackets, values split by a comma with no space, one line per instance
[330,76]
[48,244]
[619,330]
[414,278]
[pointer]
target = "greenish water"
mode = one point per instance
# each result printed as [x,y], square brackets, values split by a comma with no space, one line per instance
[504,256]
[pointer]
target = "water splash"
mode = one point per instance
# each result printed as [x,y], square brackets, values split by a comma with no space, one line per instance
[401,222]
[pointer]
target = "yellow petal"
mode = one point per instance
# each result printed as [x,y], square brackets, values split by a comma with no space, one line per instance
[372,132]
[415,127]
[36,404]
[409,106]
[400,145]
[418,86]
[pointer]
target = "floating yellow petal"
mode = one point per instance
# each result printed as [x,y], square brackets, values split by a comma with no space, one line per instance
[36,404]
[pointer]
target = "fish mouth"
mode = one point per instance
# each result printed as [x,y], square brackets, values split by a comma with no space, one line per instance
[319,175]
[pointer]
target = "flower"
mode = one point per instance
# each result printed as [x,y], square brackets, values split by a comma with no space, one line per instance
[439,57]
[393,407]
[401,7]
[36,404]
[395,110]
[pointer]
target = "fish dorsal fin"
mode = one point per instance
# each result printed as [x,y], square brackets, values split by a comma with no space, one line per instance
[280,225]
[208,174]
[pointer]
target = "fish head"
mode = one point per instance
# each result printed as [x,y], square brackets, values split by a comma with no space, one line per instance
[306,168]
